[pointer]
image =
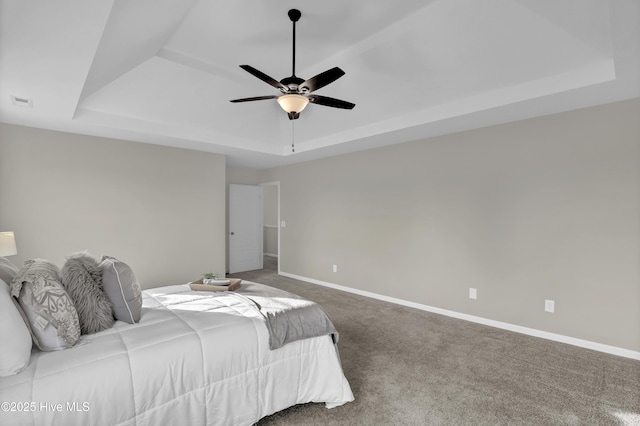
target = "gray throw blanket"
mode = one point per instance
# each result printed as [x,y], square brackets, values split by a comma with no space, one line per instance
[288,317]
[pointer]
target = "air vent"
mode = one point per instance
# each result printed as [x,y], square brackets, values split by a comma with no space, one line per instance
[22,102]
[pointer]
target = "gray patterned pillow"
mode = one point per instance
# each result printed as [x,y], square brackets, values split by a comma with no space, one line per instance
[82,278]
[51,313]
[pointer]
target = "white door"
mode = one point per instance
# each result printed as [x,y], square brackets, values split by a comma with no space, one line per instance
[245,228]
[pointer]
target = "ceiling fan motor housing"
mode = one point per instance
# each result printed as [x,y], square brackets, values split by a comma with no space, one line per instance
[293,83]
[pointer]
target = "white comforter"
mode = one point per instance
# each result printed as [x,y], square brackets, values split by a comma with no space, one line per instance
[195,358]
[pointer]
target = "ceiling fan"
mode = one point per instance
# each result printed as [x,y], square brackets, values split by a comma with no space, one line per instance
[297,92]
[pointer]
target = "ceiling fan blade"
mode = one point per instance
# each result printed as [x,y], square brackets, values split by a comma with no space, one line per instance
[330,102]
[322,79]
[256,98]
[262,76]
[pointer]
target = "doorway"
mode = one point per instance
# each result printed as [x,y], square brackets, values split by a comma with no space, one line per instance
[271,224]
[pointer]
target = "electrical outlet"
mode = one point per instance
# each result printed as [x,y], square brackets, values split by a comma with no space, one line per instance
[335,268]
[473,293]
[282,224]
[549,306]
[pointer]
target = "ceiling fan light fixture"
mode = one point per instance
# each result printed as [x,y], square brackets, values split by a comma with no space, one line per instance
[293,103]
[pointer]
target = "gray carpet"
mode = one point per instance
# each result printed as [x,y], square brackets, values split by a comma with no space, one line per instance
[410,367]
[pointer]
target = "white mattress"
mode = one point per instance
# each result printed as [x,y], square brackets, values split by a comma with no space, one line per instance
[195,358]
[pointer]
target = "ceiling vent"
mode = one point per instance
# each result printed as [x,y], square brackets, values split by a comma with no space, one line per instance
[22,102]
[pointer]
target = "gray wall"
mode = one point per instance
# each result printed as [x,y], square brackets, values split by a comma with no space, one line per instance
[546,208]
[159,209]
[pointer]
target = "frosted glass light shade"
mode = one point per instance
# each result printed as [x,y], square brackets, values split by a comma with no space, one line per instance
[7,244]
[293,102]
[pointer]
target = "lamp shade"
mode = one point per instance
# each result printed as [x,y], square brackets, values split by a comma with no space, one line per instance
[7,244]
[293,102]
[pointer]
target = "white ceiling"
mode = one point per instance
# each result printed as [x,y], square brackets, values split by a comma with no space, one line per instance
[163,71]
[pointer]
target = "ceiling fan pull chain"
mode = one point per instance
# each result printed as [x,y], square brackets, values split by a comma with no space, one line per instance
[293,147]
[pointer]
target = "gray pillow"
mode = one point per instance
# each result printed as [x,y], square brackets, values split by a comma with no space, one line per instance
[8,270]
[82,278]
[51,313]
[122,289]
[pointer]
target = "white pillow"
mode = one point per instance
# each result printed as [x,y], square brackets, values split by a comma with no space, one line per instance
[8,270]
[14,335]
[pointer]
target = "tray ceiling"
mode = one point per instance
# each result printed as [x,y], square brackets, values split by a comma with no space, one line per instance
[163,71]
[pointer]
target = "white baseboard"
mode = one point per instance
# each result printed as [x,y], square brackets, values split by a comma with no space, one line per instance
[270,254]
[600,347]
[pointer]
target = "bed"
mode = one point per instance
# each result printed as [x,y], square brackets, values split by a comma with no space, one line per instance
[194,358]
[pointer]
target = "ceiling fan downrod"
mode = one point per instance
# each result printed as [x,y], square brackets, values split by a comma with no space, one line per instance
[294,15]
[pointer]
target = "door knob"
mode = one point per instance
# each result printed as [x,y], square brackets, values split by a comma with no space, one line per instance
[233,233]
